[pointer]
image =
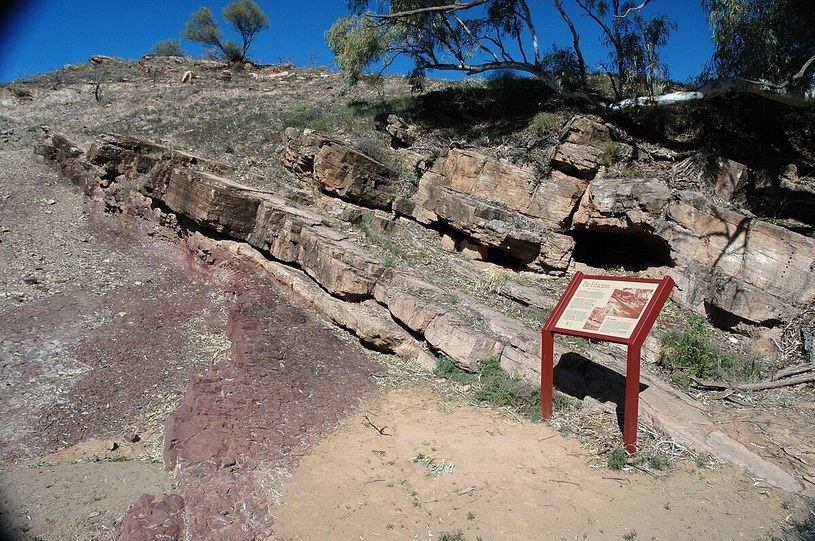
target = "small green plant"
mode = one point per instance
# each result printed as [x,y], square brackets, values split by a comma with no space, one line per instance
[617,458]
[546,122]
[612,153]
[499,388]
[657,462]
[689,354]
[630,536]
[470,515]
[104,458]
[447,369]
[458,535]
[562,402]
[43,464]
[436,468]
[20,93]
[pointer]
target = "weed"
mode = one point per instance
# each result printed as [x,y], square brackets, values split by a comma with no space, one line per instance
[612,153]
[562,402]
[436,468]
[43,464]
[546,122]
[20,93]
[690,354]
[617,459]
[630,536]
[104,458]
[470,515]
[657,462]
[499,388]
[447,369]
[458,535]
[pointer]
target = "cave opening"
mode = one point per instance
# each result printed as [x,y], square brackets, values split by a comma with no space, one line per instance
[633,250]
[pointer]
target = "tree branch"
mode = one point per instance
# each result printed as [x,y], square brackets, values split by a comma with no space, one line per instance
[457,6]
[632,9]
[722,87]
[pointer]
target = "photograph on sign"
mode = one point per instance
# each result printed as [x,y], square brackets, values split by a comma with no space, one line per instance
[607,307]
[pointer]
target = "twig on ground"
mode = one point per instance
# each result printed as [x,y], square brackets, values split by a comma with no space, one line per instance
[372,425]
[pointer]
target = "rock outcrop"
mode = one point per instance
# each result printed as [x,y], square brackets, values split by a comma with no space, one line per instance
[726,262]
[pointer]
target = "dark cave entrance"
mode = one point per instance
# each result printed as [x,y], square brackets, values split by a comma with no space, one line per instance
[634,250]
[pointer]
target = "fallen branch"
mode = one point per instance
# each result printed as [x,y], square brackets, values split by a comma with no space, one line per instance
[793,370]
[372,425]
[760,386]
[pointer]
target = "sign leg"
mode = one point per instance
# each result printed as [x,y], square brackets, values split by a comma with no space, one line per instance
[632,398]
[547,373]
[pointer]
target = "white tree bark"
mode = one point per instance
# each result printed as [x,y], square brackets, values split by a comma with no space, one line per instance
[722,87]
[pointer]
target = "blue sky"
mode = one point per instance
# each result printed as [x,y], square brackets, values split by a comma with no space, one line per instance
[44,35]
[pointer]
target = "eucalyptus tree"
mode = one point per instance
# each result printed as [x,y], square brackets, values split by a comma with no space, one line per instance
[244,16]
[478,36]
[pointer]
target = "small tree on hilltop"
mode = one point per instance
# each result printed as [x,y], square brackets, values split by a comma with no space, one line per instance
[243,15]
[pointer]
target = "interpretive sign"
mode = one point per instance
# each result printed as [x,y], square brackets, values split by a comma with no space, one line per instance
[609,308]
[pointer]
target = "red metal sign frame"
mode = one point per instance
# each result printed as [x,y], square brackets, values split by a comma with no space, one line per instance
[633,341]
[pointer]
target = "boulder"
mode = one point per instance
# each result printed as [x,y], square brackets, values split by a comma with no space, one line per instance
[340,170]
[211,201]
[582,161]
[751,255]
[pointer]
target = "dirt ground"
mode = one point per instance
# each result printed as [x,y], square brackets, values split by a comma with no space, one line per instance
[107,319]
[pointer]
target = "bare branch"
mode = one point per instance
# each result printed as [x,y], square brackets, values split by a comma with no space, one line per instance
[722,87]
[457,6]
[532,31]
[633,9]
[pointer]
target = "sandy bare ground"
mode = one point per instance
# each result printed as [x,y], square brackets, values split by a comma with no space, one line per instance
[494,477]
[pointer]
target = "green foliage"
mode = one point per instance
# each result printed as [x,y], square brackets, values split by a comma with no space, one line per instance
[633,43]
[757,39]
[495,386]
[546,122]
[244,16]
[612,153]
[498,387]
[357,43]
[202,28]
[689,353]
[20,93]
[447,369]
[167,47]
[458,535]
[617,459]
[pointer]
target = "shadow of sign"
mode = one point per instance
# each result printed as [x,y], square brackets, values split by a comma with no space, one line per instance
[580,377]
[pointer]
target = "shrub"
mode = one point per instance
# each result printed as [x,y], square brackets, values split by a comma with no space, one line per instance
[689,353]
[168,47]
[546,122]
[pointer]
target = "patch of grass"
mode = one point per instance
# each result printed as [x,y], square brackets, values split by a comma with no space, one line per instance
[690,353]
[20,93]
[495,386]
[43,464]
[458,535]
[612,153]
[546,122]
[500,388]
[617,458]
[104,458]
[447,369]
[436,468]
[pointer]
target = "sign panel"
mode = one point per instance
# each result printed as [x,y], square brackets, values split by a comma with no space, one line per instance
[609,308]
[606,307]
